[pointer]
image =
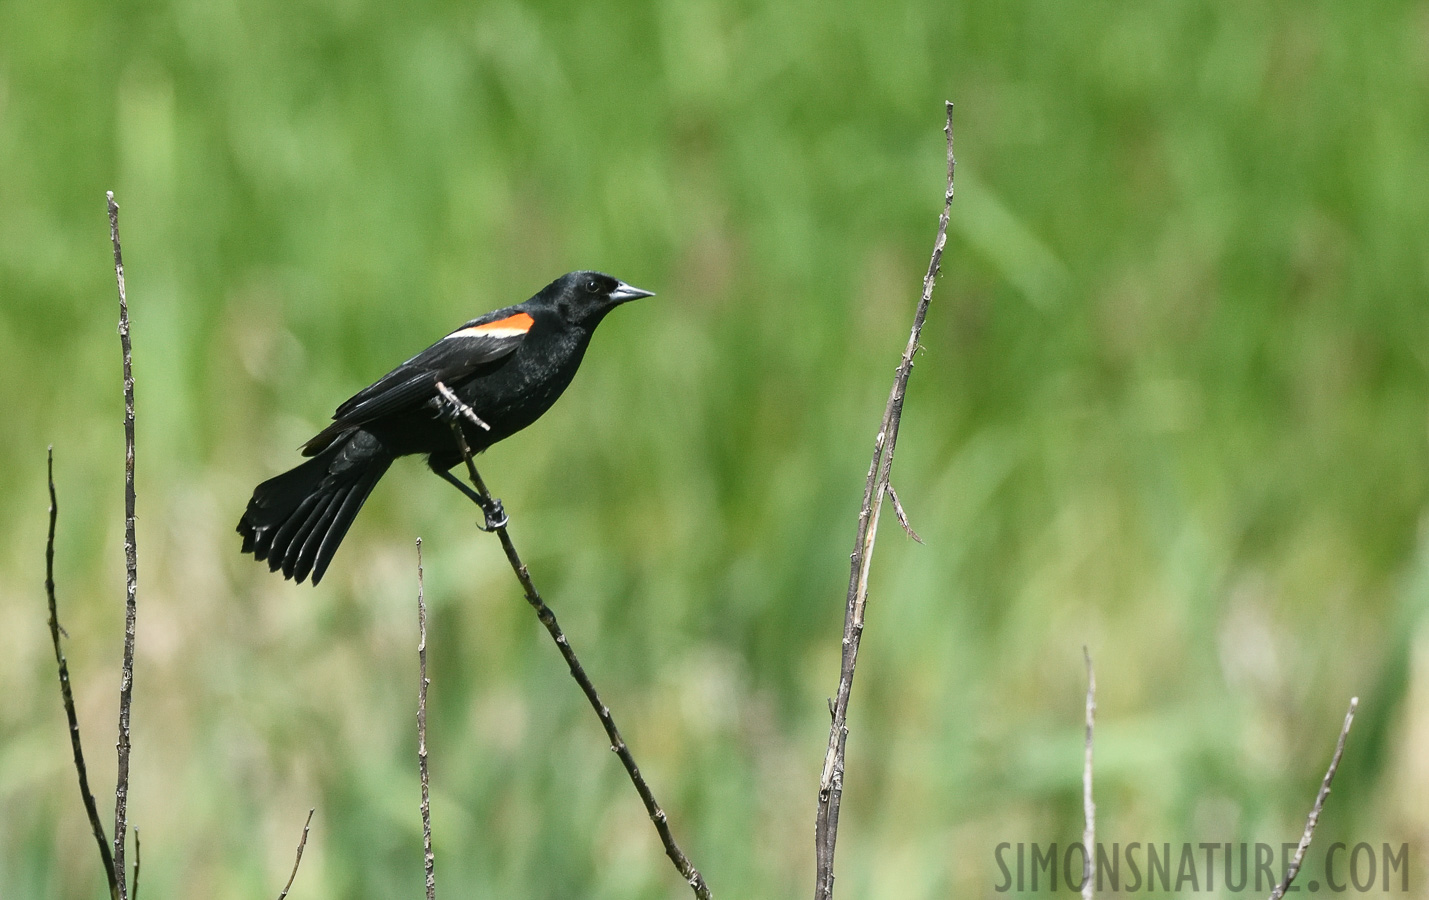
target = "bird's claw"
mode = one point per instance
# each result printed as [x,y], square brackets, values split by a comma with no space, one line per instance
[496,517]
[447,411]
[451,409]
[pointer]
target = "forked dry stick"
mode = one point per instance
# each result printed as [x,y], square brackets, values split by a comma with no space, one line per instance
[428,859]
[460,408]
[67,695]
[496,522]
[826,826]
[131,567]
[1089,809]
[1315,810]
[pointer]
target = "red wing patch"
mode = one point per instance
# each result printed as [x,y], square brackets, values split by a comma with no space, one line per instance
[511,326]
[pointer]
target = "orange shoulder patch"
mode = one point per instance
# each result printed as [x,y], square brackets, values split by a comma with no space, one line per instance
[511,326]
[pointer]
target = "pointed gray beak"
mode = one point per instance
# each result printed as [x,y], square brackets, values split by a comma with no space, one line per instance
[624,292]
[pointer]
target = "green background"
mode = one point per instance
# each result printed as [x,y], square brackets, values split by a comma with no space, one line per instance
[1171,405]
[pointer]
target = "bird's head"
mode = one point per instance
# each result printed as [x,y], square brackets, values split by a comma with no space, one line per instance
[583,298]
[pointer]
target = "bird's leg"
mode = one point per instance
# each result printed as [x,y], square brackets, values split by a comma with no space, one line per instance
[451,407]
[490,507]
[460,485]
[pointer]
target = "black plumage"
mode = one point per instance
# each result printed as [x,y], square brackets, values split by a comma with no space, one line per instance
[509,366]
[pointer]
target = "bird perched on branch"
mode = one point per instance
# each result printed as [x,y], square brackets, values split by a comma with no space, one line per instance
[494,375]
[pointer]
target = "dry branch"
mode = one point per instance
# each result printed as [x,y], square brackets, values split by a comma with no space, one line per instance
[1315,810]
[134,888]
[67,695]
[877,486]
[497,521]
[131,566]
[428,859]
[298,860]
[461,408]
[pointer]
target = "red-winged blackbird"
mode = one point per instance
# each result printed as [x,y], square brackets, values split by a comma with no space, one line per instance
[508,366]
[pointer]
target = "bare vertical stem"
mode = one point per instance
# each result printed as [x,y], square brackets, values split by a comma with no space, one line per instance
[831,781]
[298,860]
[1315,810]
[1089,809]
[67,695]
[134,888]
[427,856]
[657,815]
[131,565]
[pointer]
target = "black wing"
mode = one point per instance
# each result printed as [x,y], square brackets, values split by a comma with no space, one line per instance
[414,382]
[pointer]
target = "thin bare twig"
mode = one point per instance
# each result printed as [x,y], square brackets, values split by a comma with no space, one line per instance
[302,842]
[131,566]
[831,781]
[902,516]
[1089,809]
[67,695]
[461,407]
[427,857]
[134,888]
[497,523]
[1315,810]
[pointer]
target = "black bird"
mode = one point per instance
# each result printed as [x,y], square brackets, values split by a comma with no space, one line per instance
[508,366]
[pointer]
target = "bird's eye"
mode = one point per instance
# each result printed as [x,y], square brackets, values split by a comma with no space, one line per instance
[592,286]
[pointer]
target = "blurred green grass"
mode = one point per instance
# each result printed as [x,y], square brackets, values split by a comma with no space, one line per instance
[1171,405]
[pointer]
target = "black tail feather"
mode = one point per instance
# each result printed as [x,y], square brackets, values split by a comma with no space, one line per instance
[342,520]
[297,520]
[283,536]
[310,538]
